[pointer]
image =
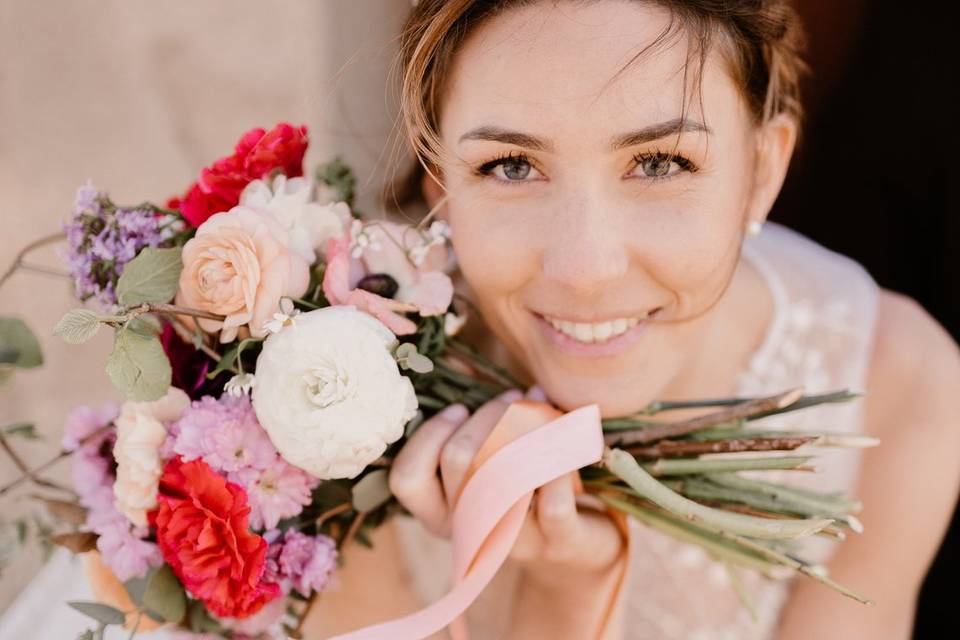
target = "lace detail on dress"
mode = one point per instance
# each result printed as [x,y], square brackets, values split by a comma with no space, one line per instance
[820,337]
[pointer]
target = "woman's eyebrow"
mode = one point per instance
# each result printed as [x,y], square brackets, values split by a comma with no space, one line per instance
[640,136]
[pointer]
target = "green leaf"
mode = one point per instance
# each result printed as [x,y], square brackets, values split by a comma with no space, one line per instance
[340,176]
[408,358]
[371,491]
[138,366]
[150,277]
[102,613]
[18,345]
[23,430]
[146,325]
[86,635]
[136,587]
[199,619]
[78,325]
[231,357]
[165,596]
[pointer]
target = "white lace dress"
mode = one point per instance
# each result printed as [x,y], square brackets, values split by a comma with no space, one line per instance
[820,337]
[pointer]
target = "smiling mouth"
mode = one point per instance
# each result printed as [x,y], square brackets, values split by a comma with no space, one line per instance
[597,332]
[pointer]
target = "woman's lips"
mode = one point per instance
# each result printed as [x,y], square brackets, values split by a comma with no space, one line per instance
[609,347]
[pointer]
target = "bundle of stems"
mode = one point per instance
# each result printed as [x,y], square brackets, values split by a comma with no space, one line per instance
[682,477]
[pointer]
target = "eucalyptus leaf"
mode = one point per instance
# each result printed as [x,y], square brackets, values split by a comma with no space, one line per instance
[86,635]
[136,587]
[138,366]
[164,595]
[200,621]
[151,277]
[23,430]
[371,491]
[102,613]
[78,326]
[146,325]
[18,345]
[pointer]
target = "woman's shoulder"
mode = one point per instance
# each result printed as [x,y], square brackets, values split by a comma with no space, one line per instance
[914,368]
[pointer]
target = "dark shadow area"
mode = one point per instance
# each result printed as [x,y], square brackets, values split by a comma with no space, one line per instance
[874,177]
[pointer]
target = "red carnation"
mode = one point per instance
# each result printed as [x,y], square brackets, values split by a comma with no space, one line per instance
[203,534]
[257,154]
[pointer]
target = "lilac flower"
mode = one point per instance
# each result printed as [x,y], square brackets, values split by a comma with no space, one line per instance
[102,238]
[84,421]
[225,433]
[124,550]
[279,491]
[301,562]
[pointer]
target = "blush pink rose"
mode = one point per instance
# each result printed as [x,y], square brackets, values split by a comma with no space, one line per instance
[239,265]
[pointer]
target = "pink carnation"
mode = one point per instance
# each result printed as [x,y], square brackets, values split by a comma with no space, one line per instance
[277,492]
[224,433]
[301,562]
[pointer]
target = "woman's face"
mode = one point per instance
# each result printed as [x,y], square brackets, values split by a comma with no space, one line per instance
[591,253]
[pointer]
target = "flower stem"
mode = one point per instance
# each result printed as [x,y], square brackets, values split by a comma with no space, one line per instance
[683,427]
[624,466]
[36,244]
[668,467]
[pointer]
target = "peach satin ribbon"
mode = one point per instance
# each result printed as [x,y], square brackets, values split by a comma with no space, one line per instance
[532,444]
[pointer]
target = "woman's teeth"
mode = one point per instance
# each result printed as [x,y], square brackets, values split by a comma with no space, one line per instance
[594,331]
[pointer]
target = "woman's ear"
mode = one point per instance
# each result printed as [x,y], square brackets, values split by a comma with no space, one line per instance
[775,143]
[432,191]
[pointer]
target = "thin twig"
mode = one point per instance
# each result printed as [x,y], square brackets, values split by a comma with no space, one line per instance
[185,334]
[36,268]
[683,427]
[329,513]
[32,475]
[36,244]
[49,463]
[172,309]
[675,448]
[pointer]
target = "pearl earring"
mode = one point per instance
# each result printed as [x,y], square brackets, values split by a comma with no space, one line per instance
[753,227]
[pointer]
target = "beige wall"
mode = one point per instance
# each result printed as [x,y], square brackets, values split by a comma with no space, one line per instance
[138,96]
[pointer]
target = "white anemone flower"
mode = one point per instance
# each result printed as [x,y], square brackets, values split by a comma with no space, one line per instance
[329,392]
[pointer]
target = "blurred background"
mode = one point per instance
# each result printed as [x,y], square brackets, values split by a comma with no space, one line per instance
[138,96]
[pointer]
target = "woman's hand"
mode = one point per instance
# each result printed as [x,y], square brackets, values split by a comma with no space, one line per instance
[558,544]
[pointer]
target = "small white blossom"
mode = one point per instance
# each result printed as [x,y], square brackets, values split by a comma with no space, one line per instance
[283,318]
[240,384]
[452,323]
[437,233]
[363,237]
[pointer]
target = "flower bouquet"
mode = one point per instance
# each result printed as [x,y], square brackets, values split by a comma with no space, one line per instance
[275,349]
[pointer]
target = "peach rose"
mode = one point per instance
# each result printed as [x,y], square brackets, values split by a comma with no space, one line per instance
[239,265]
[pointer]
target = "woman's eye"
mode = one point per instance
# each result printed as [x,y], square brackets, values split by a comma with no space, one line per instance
[511,168]
[659,165]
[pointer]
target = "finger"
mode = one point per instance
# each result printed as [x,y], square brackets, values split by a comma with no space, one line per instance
[557,516]
[460,450]
[413,474]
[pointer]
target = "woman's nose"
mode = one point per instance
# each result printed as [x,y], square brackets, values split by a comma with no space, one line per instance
[585,253]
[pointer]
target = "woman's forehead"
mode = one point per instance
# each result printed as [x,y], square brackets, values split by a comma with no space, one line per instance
[554,67]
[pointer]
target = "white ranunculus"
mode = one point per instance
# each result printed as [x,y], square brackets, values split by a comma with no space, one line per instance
[308,222]
[329,391]
[141,429]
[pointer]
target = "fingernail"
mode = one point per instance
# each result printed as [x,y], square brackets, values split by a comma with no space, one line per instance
[511,395]
[536,393]
[454,412]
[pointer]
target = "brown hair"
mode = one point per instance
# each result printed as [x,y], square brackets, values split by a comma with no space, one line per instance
[762,41]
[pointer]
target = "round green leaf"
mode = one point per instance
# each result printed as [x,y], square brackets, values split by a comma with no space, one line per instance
[18,345]
[150,277]
[138,366]
[371,491]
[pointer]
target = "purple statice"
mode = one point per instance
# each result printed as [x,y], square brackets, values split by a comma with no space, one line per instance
[225,433]
[279,491]
[122,545]
[301,562]
[102,238]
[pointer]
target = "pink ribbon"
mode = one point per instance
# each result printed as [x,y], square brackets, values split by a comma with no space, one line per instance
[529,447]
